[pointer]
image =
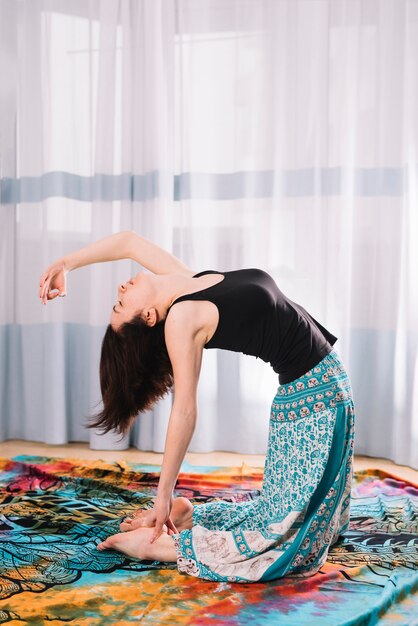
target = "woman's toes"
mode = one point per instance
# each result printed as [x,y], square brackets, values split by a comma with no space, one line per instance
[133,544]
[107,543]
[134,520]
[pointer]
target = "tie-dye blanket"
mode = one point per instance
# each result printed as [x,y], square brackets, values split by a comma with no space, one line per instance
[53,512]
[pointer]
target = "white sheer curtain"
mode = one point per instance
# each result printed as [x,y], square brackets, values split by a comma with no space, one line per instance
[279,134]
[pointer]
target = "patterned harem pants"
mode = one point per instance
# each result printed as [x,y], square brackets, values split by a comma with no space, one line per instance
[304,503]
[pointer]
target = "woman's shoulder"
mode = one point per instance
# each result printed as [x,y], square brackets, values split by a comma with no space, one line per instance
[188,319]
[187,314]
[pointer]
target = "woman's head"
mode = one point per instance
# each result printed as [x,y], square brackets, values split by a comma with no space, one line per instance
[136,298]
[135,372]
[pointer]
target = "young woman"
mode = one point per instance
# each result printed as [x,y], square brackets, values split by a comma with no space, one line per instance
[159,325]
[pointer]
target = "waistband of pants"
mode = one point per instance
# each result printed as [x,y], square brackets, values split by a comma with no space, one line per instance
[328,373]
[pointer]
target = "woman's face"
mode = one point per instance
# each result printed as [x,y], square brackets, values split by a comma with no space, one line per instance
[133,299]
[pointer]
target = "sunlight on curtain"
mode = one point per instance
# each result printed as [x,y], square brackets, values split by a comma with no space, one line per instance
[278,134]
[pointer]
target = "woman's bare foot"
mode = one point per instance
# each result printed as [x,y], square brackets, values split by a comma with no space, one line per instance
[136,544]
[181,514]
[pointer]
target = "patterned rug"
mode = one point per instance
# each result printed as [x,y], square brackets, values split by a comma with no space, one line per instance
[53,512]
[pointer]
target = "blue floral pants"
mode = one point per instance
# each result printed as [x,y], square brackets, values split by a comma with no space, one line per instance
[304,503]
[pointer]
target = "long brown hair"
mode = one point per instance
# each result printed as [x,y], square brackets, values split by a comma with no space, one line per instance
[135,372]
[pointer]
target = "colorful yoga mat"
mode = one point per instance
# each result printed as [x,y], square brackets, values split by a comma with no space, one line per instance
[54,511]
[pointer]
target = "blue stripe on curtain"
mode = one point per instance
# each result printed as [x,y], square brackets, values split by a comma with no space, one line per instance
[384,181]
[38,403]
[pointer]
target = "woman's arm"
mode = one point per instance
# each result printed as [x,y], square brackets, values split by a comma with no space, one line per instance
[185,340]
[112,248]
[53,280]
[123,245]
[127,245]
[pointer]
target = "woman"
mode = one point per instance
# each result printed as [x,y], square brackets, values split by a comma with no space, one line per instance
[158,328]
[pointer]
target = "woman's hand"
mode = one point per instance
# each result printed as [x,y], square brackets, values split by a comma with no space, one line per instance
[161,516]
[53,282]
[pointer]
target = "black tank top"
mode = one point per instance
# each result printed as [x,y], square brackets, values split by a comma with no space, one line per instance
[256,318]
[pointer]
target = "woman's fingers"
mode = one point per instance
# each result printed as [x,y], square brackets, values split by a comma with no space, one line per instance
[43,279]
[49,288]
[171,526]
[44,293]
[43,282]
[157,532]
[160,528]
[44,287]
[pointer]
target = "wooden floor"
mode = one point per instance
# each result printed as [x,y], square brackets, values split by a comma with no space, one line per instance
[14,447]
